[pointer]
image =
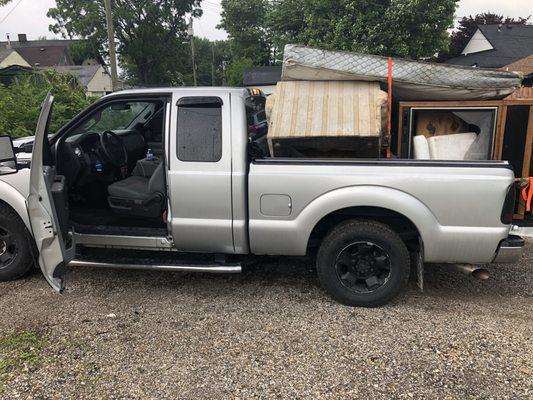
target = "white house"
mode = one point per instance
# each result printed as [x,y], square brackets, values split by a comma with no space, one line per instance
[504,46]
[9,57]
[94,78]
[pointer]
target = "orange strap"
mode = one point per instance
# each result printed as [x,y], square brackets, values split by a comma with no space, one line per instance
[527,194]
[389,105]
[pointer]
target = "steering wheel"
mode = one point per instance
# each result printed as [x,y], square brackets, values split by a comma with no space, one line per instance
[114,149]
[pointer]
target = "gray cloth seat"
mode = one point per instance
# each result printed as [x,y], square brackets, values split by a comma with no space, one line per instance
[139,195]
[134,187]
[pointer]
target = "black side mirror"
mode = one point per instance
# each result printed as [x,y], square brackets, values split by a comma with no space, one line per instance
[8,159]
[27,148]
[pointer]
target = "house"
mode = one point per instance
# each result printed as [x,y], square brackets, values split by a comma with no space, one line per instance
[41,53]
[264,78]
[508,47]
[95,78]
[55,54]
[9,57]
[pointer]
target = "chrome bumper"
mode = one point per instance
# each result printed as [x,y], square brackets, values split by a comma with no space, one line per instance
[509,250]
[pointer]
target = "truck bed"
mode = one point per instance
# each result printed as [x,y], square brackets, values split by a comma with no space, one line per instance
[455,205]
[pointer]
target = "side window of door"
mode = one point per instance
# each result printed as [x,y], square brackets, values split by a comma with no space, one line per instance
[199,129]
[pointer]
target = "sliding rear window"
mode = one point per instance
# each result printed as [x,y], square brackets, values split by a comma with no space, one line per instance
[199,129]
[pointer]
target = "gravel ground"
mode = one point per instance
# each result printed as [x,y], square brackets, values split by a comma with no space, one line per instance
[270,332]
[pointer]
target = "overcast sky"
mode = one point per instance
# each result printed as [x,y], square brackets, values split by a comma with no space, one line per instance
[29,16]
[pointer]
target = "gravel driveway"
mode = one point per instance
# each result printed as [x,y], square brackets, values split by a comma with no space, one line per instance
[270,332]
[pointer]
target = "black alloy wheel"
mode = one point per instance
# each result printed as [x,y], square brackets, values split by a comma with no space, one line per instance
[16,257]
[363,267]
[363,263]
[8,248]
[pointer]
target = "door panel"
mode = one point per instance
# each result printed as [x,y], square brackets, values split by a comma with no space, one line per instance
[200,191]
[56,248]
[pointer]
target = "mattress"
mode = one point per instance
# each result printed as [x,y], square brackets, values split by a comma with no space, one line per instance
[412,80]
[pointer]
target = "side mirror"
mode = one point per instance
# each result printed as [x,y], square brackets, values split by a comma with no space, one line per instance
[27,148]
[8,159]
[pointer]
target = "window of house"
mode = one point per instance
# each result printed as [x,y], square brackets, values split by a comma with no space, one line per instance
[199,129]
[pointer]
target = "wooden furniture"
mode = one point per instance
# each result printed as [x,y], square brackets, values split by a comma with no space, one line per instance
[328,118]
[512,138]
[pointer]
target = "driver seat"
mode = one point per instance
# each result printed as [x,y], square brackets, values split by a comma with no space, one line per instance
[138,195]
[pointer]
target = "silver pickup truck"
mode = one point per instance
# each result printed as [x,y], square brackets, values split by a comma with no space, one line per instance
[170,180]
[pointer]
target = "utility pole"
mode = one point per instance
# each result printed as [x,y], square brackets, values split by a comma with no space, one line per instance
[212,64]
[193,55]
[111,43]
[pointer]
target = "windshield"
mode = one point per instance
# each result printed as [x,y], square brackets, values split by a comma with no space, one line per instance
[117,116]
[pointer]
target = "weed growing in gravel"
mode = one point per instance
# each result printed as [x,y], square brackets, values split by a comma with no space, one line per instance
[20,352]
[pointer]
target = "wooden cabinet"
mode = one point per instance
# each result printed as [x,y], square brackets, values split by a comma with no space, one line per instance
[511,130]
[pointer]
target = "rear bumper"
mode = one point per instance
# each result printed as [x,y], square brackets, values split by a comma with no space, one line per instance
[509,250]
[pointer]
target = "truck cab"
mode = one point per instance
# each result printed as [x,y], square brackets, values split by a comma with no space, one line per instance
[151,169]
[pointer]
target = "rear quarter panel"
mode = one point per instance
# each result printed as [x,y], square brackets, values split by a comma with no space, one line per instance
[455,209]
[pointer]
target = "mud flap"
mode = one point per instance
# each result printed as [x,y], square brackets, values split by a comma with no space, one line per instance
[420,267]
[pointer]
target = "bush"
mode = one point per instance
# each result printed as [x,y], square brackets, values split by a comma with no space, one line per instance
[20,102]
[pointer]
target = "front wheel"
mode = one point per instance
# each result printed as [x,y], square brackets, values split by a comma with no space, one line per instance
[363,263]
[15,251]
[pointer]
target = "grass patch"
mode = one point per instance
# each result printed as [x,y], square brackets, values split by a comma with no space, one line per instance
[20,352]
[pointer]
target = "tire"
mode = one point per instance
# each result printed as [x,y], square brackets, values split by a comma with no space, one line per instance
[15,250]
[363,263]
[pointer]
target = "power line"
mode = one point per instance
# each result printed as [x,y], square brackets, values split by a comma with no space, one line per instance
[10,11]
[212,4]
[207,7]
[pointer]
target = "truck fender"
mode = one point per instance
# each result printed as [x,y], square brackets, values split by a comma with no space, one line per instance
[13,198]
[369,196]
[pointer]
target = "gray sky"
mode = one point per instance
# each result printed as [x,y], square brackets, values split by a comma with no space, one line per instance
[29,16]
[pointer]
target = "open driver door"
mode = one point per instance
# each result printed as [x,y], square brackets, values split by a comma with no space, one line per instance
[47,205]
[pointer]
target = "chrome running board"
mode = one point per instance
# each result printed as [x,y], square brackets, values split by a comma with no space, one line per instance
[205,268]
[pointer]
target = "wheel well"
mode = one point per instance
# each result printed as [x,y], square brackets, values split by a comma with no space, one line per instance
[402,225]
[6,207]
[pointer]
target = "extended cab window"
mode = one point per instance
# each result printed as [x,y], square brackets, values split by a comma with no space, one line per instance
[200,129]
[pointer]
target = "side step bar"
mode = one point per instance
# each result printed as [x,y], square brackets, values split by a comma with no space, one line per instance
[206,268]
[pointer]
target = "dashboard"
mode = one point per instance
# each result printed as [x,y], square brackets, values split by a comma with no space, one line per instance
[81,158]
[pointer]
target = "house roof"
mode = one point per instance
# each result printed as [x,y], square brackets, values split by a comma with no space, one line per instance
[45,53]
[524,65]
[44,56]
[84,73]
[510,43]
[39,43]
[259,76]
[4,53]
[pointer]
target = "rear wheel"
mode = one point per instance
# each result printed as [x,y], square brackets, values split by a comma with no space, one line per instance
[363,263]
[15,252]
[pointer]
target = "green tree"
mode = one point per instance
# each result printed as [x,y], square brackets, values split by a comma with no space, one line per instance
[20,102]
[286,23]
[234,72]
[211,59]
[245,23]
[151,35]
[404,28]
[468,26]
[83,50]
